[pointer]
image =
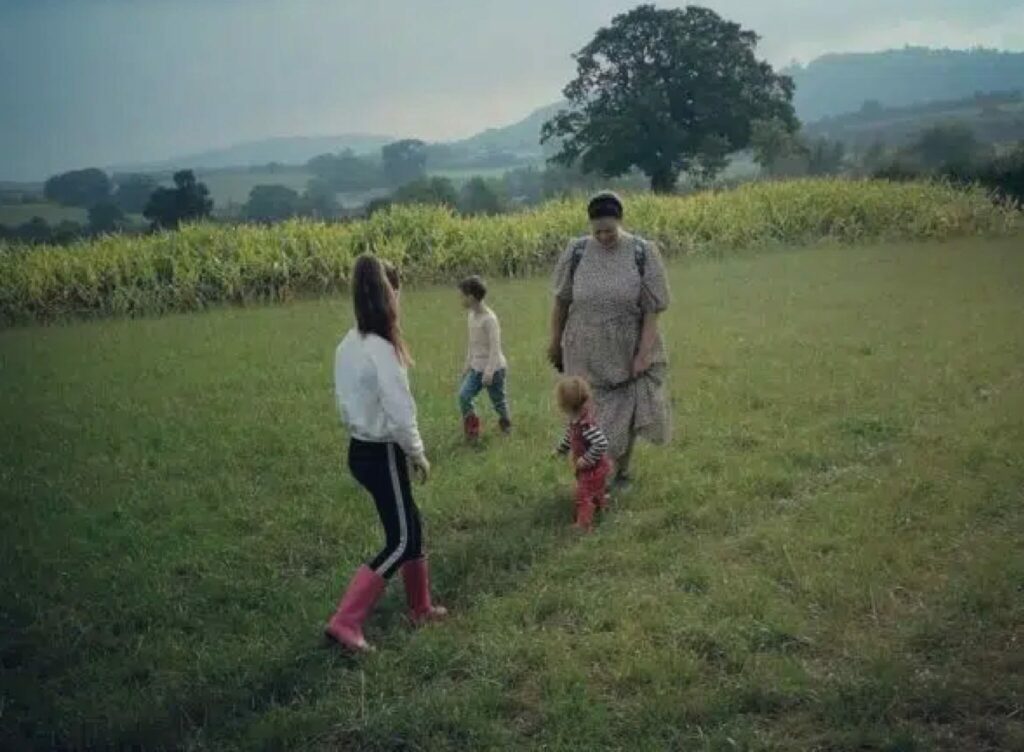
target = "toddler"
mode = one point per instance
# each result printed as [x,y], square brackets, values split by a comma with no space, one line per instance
[588,446]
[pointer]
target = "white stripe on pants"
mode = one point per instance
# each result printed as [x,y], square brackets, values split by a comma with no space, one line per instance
[403,528]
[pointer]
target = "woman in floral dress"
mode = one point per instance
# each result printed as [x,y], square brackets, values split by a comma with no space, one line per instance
[610,288]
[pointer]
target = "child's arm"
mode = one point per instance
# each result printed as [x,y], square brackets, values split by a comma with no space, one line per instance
[597,445]
[493,349]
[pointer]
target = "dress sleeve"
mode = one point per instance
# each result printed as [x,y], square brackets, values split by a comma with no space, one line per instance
[654,292]
[563,274]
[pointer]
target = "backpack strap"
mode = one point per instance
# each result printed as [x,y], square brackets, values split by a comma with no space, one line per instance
[639,256]
[577,256]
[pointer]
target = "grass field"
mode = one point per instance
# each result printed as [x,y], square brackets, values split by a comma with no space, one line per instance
[13,215]
[828,557]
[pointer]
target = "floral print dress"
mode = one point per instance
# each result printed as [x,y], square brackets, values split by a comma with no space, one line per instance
[607,298]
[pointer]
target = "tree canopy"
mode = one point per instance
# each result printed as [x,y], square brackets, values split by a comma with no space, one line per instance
[666,92]
[346,171]
[133,192]
[478,196]
[404,161]
[427,191]
[105,216]
[188,200]
[946,145]
[271,203]
[83,188]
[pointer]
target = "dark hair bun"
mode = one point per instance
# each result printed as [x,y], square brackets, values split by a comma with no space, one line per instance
[605,204]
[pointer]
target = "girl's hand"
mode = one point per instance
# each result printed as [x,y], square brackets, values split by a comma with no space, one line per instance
[421,467]
[582,464]
[488,379]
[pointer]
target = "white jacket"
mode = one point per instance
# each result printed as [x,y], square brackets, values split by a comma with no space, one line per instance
[371,387]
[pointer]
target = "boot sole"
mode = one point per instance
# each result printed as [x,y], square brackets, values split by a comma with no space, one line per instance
[346,646]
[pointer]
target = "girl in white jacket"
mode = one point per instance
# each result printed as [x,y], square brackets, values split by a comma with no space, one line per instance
[372,390]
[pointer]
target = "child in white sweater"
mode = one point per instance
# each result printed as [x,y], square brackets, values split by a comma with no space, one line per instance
[371,388]
[486,367]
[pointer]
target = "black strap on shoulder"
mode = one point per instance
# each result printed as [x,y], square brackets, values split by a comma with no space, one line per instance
[639,257]
[577,256]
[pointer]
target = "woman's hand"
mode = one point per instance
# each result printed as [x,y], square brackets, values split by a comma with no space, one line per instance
[555,355]
[421,467]
[648,338]
[641,363]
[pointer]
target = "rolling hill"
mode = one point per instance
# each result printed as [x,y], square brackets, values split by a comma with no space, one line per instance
[836,84]
[286,150]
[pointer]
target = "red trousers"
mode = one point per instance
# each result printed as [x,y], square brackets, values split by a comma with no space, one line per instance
[591,492]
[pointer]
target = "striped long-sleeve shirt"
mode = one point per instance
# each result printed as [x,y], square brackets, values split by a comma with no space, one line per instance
[585,440]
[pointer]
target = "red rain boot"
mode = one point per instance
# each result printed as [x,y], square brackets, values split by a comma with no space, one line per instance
[471,425]
[416,576]
[585,514]
[346,626]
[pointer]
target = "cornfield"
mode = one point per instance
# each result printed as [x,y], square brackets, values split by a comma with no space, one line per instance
[205,264]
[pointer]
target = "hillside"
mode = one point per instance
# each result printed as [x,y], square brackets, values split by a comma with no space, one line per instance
[521,138]
[994,118]
[836,84]
[288,150]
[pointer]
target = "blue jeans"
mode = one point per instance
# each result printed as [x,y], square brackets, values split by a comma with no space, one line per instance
[473,384]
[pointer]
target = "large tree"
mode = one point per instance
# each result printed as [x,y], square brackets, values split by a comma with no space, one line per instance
[271,203]
[946,145]
[666,92]
[431,191]
[82,188]
[105,217]
[346,171]
[133,192]
[319,200]
[479,196]
[188,200]
[404,161]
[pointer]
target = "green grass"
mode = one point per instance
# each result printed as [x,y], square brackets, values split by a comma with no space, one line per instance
[13,215]
[828,557]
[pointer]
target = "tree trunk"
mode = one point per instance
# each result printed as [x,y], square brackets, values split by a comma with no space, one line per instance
[663,181]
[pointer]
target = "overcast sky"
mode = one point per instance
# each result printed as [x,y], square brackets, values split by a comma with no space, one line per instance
[100,82]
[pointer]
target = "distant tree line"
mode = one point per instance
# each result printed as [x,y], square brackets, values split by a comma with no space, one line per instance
[109,204]
[952,151]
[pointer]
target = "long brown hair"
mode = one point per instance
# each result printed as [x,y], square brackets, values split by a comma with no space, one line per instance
[376,305]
